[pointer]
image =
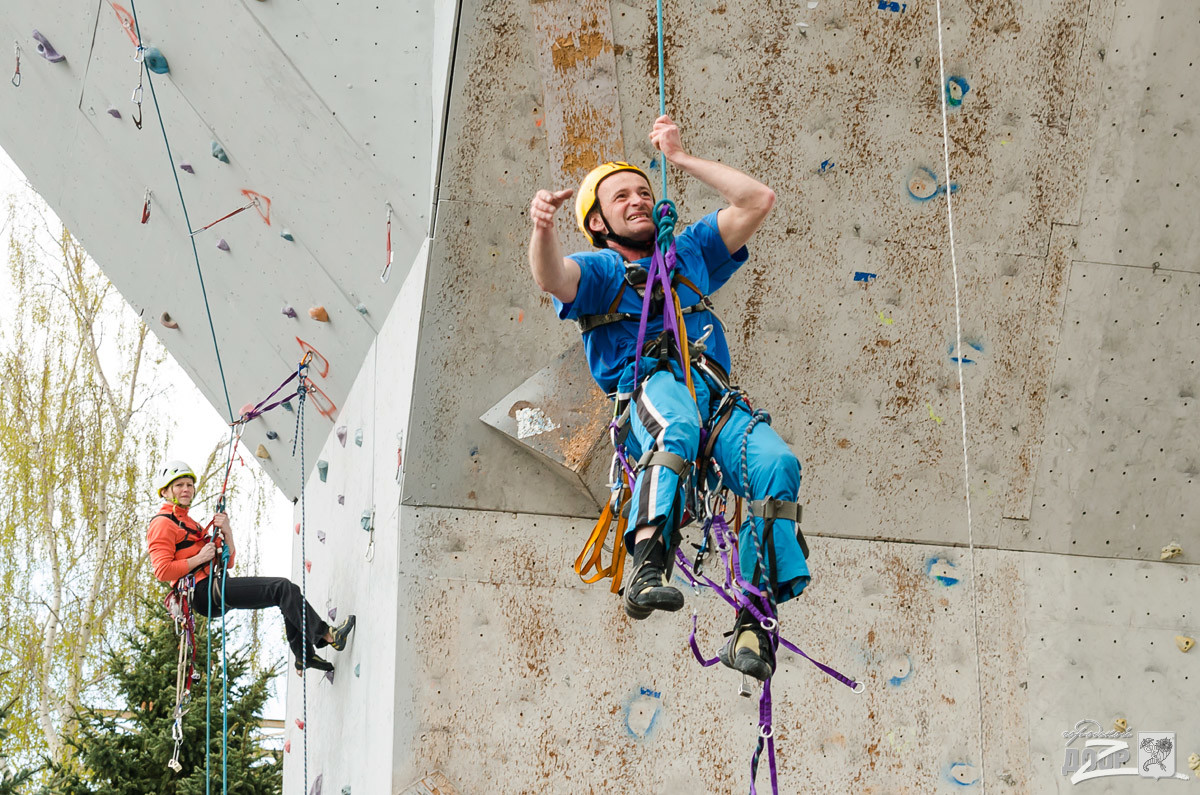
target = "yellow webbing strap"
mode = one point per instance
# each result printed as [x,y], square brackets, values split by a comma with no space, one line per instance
[589,565]
[683,339]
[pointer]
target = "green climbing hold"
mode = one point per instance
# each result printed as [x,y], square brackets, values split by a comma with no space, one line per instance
[287,405]
[362,309]
[356,670]
[358,436]
[286,234]
[323,469]
[218,152]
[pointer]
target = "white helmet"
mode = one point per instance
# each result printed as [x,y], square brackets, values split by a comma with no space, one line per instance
[171,472]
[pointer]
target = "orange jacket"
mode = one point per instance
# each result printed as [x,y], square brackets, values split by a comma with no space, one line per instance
[172,538]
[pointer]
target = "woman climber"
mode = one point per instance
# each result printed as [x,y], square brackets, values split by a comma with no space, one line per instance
[179,547]
[600,290]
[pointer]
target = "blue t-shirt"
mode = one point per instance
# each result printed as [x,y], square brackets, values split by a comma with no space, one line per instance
[701,257]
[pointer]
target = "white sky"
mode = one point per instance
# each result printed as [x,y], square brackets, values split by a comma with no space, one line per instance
[195,426]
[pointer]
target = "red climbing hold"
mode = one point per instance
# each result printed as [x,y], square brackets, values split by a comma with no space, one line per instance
[299,724]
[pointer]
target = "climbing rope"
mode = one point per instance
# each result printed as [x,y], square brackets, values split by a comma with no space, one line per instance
[183,203]
[301,392]
[962,398]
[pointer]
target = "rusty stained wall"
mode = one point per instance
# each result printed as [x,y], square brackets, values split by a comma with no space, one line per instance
[842,326]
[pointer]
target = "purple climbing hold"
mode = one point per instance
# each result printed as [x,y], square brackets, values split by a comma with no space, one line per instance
[316,785]
[289,312]
[341,434]
[46,49]
[186,166]
[221,244]
[329,679]
[333,614]
[341,499]
[116,114]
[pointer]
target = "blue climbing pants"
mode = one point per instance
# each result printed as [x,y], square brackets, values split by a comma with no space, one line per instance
[664,417]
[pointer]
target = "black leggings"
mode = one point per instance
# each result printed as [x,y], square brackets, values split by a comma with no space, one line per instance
[258,593]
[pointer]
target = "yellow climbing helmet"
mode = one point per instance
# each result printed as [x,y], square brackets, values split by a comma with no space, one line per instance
[171,472]
[585,199]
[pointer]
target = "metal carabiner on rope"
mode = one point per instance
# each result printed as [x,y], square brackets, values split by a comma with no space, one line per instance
[387,268]
[16,78]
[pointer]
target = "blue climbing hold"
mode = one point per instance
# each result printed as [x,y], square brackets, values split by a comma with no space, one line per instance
[956,89]
[286,234]
[323,469]
[155,61]
[218,152]
[287,405]
[272,435]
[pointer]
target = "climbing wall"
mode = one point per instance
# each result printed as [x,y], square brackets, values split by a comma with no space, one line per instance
[318,113]
[481,663]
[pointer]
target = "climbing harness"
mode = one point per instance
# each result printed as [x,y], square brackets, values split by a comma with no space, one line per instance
[387,268]
[16,78]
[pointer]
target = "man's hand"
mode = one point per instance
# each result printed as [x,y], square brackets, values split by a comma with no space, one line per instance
[665,137]
[544,205]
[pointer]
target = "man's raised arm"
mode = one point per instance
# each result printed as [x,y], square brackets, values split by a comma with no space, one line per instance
[554,273]
[749,200]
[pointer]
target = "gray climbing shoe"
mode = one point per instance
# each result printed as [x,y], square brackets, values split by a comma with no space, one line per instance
[648,589]
[341,633]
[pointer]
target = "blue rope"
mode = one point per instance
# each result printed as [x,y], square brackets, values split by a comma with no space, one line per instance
[662,90]
[195,252]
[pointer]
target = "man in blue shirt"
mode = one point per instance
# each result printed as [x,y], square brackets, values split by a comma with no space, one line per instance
[599,290]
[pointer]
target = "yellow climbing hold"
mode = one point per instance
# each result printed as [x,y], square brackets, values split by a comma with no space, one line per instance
[887,321]
[1184,643]
[262,452]
[933,416]
[1194,762]
[1171,550]
[1120,724]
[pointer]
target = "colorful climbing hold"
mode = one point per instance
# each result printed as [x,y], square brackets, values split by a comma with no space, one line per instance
[956,89]
[346,790]
[286,234]
[329,677]
[308,565]
[358,436]
[116,114]
[362,309]
[218,152]
[46,49]
[166,320]
[272,435]
[297,528]
[341,499]
[1120,724]
[320,533]
[288,312]
[367,519]
[319,314]
[155,61]
[333,614]
[287,746]
[1184,643]
[1171,550]
[316,786]
[221,244]
[922,184]
[356,669]
[299,724]
[1194,762]
[323,469]
[186,166]
[341,434]
[262,452]
[287,405]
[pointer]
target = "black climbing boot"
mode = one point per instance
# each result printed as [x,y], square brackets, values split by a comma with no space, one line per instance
[648,589]
[749,648]
[341,633]
[315,663]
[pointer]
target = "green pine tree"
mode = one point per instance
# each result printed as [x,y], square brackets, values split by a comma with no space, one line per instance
[127,753]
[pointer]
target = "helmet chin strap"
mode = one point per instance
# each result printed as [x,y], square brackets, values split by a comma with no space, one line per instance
[622,240]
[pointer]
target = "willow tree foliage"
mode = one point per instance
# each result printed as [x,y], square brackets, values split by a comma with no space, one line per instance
[85,416]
